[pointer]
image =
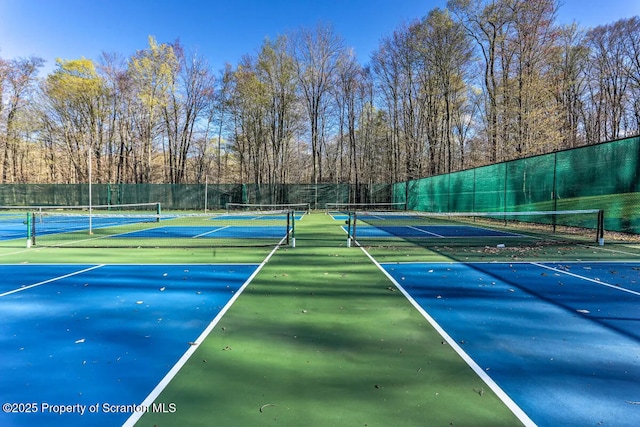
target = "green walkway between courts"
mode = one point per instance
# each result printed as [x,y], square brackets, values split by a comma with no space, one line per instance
[322,338]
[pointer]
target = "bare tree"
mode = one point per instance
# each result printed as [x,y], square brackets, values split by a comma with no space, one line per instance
[276,70]
[74,115]
[387,72]
[487,24]
[316,54]
[20,78]
[218,112]
[631,43]
[189,96]
[567,76]
[446,50]
[152,70]
[608,82]
[347,82]
[534,37]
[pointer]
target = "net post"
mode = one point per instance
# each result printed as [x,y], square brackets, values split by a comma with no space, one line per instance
[158,212]
[600,232]
[353,227]
[29,229]
[33,228]
[348,229]
[206,191]
[292,213]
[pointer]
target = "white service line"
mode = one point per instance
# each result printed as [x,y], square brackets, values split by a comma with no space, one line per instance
[425,231]
[210,232]
[51,280]
[599,282]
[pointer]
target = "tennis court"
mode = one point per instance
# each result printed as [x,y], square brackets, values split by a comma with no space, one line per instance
[559,339]
[79,228]
[416,230]
[198,232]
[539,331]
[86,344]
[13,227]
[395,228]
[490,324]
[430,231]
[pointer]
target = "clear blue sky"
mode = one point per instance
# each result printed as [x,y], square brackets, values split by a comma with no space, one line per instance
[223,30]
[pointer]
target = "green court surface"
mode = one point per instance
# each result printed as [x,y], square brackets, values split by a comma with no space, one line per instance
[322,338]
[133,255]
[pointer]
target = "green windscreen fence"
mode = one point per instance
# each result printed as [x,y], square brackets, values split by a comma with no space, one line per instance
[187,197]
[604,176]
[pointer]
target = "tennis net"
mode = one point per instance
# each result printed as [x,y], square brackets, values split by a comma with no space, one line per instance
[379,207]
[125,228]
[372,228]
[262,207]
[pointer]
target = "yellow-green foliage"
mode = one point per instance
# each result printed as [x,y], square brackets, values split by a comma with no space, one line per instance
[154,69]
[75,81]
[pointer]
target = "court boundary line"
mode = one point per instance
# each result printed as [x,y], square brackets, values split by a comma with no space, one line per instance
[442,237]
[210,232]
[431,235]
[123,234]
[616,251]
[500,393]
[107,264]
[166,380]
[16,252]
[75,273]
[425,231]
[507,233]
[541,265]
[599,282]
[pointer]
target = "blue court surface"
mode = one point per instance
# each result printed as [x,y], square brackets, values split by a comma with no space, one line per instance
[216,232]
[12,227]
[560,339]
[413,229]
[94,340]
[15,228]
[429,231]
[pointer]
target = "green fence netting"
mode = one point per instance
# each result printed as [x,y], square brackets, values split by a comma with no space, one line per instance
[604,176]
[191,196]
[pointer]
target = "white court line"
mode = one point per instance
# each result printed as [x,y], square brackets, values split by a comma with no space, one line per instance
[51,280]
[502,395]
[606,249]
[599,282]
[210,232]
[148,401]
[17,252]
[125,233]
[425,231]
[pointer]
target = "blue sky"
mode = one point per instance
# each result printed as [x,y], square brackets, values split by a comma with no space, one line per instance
[223,30]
